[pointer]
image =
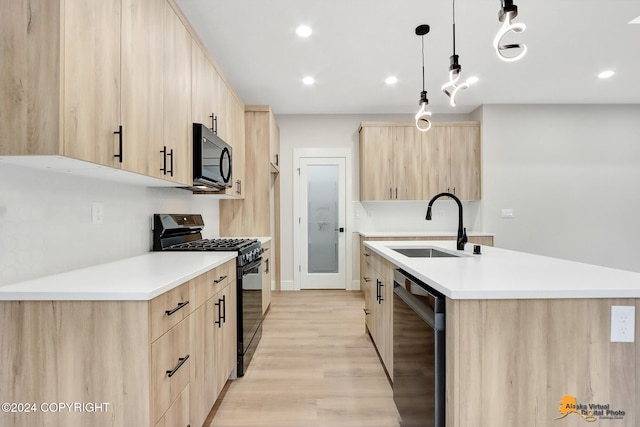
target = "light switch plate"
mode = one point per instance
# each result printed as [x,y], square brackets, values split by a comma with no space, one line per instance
[97,213]
[623,321]
[507,213]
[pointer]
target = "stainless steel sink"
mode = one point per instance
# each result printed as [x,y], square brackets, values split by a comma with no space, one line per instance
[425,252]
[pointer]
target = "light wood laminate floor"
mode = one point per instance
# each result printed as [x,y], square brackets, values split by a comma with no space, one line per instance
[315,367]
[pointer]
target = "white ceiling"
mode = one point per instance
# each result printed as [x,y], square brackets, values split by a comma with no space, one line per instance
[356,44]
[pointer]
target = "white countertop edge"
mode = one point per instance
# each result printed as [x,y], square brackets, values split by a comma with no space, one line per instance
[586,286]
[132,279]
[422,234]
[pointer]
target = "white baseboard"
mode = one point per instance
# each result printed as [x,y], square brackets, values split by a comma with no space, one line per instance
[287,285]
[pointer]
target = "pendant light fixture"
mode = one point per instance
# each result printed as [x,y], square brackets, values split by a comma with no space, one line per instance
[422,116]
[507,13]
[452,87]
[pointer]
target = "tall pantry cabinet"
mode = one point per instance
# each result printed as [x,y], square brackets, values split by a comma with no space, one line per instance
[259,213]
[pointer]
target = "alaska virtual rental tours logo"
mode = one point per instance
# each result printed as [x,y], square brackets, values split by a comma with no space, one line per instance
[590,412]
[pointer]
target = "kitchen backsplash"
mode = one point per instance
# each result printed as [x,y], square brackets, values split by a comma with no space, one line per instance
[410,216]
[46,222]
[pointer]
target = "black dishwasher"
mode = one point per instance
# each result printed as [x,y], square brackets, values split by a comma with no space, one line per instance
[418,352]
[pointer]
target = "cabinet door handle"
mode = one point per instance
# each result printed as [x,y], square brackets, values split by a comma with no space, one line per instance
[214,123]
[381,299]
[163,169]
[396,192]
[378,290]
[170,172]
[222,309]
[366,312]
[119,132]
[365,254]
[181,361]
[178,307]
[366,279]
[266,268]
[277,159]
[220,279]
[390,193]
[239,187]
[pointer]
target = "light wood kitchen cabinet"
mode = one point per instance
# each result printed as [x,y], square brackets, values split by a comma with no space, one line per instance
[398,162]
[451,155]
[378,281]
[258,213]
[390,166]
[274,144]
[213,339]
[266,276]
[54,100]
[84,80]
[216,106]
[106,351]
[177,150]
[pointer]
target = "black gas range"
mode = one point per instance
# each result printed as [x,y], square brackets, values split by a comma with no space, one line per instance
[183,232]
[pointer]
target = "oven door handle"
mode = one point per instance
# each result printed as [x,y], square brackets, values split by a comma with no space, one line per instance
[251,266]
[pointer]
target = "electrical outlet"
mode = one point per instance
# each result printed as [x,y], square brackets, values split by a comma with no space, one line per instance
[507,213]
[623,321]
[97,213]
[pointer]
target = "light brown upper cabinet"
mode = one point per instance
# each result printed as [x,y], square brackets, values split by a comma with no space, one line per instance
[398,162]
[60,80]
[389,162]
[178,143]
[451,159]
[85,80]
[217,107]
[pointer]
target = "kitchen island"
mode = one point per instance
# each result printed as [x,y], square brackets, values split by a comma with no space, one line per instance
[525,332]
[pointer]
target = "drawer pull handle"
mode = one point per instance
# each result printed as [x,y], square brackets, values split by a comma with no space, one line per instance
[178,307]
[365,254]
[181,361]
[220,279]
[366,279]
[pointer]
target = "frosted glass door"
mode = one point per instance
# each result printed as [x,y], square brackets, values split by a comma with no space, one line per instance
[322,221]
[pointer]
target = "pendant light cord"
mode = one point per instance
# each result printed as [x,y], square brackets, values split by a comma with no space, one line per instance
[422,37]
[454,27]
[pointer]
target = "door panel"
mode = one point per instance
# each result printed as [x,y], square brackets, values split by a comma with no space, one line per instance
[322,221]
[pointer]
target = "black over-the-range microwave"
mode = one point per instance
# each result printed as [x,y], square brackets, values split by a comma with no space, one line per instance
[211,160]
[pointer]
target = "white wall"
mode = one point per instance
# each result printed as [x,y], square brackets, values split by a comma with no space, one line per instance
[45,220]
[571,173]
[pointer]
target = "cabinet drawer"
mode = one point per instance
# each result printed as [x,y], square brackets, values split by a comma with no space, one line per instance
[170,368]
[219,277]
[178,413]
[168,309]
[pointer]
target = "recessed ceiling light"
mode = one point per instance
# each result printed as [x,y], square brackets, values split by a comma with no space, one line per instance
[303,31]
[606,74]
[391,80]
[635,20]
[308,80]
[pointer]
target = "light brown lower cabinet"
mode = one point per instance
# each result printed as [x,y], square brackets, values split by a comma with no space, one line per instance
[119,363]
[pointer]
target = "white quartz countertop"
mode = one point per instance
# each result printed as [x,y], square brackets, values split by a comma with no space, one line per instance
[422,233]
[504,274]
[138,278]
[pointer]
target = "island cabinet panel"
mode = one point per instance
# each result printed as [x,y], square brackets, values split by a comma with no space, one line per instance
[377,282]
[511,362]
[116,354]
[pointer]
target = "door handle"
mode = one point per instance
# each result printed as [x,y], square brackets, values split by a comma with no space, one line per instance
[341,229]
